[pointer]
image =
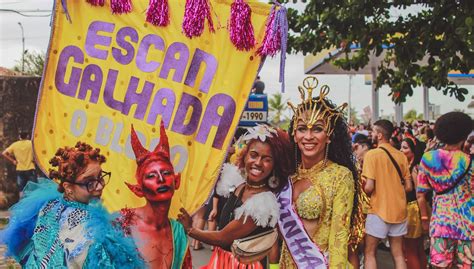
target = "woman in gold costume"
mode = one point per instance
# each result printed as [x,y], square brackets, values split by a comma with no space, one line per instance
[316,227]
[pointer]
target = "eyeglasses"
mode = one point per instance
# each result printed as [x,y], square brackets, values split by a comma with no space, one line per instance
[93,183]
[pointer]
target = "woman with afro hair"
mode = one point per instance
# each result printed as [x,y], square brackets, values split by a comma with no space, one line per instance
[62,224]
[448,172]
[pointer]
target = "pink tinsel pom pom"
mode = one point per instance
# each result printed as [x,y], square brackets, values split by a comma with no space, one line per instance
[271,42]
[241,29]
[195,13]
[121,6]
[96,2]
[157,13]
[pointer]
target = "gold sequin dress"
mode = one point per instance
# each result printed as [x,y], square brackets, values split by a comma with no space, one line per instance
[329,200]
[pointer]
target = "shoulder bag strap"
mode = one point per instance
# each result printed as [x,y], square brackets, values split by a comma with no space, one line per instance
[402,180]
[457,180]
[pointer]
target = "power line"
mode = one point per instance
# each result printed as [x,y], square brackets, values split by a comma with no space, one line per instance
[27,37]
[22,12]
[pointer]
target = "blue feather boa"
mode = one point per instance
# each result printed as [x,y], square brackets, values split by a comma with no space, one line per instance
[23,215]
[110,247]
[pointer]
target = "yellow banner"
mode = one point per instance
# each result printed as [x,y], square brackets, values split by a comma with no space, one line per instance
[105,72]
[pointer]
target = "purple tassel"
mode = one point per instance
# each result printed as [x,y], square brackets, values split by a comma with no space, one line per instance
[195,13]
[121,6]
[283,26]
[96,2]
[241,29]
[157,13]
[66,12]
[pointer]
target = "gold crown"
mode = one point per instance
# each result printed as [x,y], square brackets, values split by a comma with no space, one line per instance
[310,111]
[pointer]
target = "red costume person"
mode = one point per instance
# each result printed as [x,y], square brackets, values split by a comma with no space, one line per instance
[162,241]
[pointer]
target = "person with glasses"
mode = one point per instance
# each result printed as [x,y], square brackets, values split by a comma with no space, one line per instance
[60,223]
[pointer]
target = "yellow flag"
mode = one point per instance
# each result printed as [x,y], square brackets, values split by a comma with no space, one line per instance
[107,71]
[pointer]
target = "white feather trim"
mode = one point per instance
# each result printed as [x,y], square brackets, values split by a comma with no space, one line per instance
[229,180]
[262,208]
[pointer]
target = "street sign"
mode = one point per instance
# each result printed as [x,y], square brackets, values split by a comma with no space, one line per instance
[256,110]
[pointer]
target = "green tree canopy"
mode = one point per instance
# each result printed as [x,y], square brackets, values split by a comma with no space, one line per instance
[412,115]
[354,116]
[440,33]
[34,63]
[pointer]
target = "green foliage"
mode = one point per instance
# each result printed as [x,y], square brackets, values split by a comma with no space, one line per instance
[354,118]
[412,115]
[277,105]
[423,46]
[34,63]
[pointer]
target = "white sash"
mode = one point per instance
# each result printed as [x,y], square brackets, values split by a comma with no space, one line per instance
[304,251]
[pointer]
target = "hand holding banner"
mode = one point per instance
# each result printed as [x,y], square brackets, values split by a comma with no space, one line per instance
[107,71]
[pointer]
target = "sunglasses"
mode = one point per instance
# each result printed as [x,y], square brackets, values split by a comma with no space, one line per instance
[92,184]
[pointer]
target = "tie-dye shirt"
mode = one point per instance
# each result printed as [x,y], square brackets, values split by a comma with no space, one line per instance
[453,212]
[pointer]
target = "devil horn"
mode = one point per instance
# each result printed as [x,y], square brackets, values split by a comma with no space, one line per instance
[137,147]
[163,146]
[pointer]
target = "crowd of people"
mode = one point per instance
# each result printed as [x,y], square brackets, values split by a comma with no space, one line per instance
[321,195]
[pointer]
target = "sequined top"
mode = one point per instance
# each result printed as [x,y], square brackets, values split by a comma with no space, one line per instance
[329,199]
[311,203]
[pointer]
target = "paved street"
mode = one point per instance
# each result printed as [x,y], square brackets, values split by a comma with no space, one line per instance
[201,257]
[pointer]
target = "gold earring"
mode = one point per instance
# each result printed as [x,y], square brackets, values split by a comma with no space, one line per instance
[296,155]
[326,155]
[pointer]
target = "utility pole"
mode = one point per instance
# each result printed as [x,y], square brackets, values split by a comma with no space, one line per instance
[349,101]
[23,51]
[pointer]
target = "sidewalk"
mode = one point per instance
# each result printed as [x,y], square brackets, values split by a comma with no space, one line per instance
[201,257]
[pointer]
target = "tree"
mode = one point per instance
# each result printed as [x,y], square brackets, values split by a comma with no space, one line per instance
[412,115]
[277,106]
[34,63]
[354,118]
[422,47]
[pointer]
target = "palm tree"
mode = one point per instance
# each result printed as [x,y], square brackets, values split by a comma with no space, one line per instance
[277,106]
[33,63]
[412,115]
